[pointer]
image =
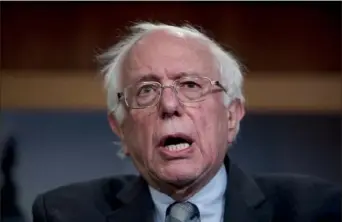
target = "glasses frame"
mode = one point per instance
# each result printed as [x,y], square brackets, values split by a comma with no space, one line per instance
[122,95]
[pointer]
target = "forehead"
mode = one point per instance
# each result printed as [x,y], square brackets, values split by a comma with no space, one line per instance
[166,56]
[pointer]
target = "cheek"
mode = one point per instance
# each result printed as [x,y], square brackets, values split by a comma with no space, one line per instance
[212,128]
[212,114]
[138,127]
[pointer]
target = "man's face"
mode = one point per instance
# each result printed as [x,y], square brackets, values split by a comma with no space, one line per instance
[203,127]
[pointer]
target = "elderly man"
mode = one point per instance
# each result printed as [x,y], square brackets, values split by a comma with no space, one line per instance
[175,100]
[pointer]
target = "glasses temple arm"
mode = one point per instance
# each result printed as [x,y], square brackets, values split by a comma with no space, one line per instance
[119,95]
[221,86]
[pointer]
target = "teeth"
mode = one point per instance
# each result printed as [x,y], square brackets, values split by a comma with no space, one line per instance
[177,147]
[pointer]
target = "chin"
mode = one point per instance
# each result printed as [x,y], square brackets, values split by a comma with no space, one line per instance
[179,174]
[179,181]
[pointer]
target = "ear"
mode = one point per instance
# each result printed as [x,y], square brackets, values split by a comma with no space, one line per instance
[235,112]
[117,129]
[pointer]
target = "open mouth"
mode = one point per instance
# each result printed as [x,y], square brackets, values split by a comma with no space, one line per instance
[176,142]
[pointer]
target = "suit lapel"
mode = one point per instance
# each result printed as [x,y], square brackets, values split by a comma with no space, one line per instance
[244,199]
[137,204]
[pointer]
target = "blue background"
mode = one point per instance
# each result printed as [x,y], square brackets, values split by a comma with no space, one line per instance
[61,147]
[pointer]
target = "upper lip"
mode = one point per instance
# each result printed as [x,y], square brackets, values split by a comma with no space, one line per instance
[175,135]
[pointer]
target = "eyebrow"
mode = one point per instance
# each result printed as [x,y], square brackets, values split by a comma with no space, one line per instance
[185,74]
[148,77]
[154,77]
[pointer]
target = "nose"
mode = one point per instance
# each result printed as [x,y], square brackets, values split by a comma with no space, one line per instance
[169,104]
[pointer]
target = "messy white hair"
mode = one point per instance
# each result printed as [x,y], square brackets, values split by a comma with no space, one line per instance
[229,69]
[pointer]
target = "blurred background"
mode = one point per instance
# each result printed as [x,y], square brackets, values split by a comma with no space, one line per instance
[54,129]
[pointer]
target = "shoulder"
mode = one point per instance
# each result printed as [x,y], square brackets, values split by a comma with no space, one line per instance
[301,195]
[90,188]
[299,186]
[88,199]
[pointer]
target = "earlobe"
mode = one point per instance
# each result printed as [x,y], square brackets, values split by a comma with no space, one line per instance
[116,128]
[231,119]
[124,149]
[235,113]
[114,125]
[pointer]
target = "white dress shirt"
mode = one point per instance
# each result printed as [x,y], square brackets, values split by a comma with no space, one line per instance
[209,200]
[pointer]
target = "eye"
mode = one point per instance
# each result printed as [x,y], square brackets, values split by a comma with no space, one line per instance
[190,84]
[146,90]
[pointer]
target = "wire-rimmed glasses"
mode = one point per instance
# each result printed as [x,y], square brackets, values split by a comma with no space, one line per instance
[148,93]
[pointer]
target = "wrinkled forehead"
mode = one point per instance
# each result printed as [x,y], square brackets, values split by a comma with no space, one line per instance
[167,56]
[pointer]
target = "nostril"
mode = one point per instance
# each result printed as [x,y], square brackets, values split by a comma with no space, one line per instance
[166,115]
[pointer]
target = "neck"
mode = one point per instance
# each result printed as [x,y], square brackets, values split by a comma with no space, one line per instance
[184,191]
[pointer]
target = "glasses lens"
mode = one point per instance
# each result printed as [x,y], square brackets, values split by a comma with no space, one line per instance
[192,88]
[143,94]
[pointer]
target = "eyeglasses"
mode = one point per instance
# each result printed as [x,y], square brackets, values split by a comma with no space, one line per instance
[188,89]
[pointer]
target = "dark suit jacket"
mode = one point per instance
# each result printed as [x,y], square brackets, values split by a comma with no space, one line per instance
[127,199]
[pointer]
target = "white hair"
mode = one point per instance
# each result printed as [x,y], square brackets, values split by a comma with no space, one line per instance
[229,69]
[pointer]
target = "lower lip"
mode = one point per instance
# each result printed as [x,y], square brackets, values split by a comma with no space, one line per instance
[176,153]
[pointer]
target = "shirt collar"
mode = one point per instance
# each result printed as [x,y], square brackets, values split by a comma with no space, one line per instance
[206,199]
